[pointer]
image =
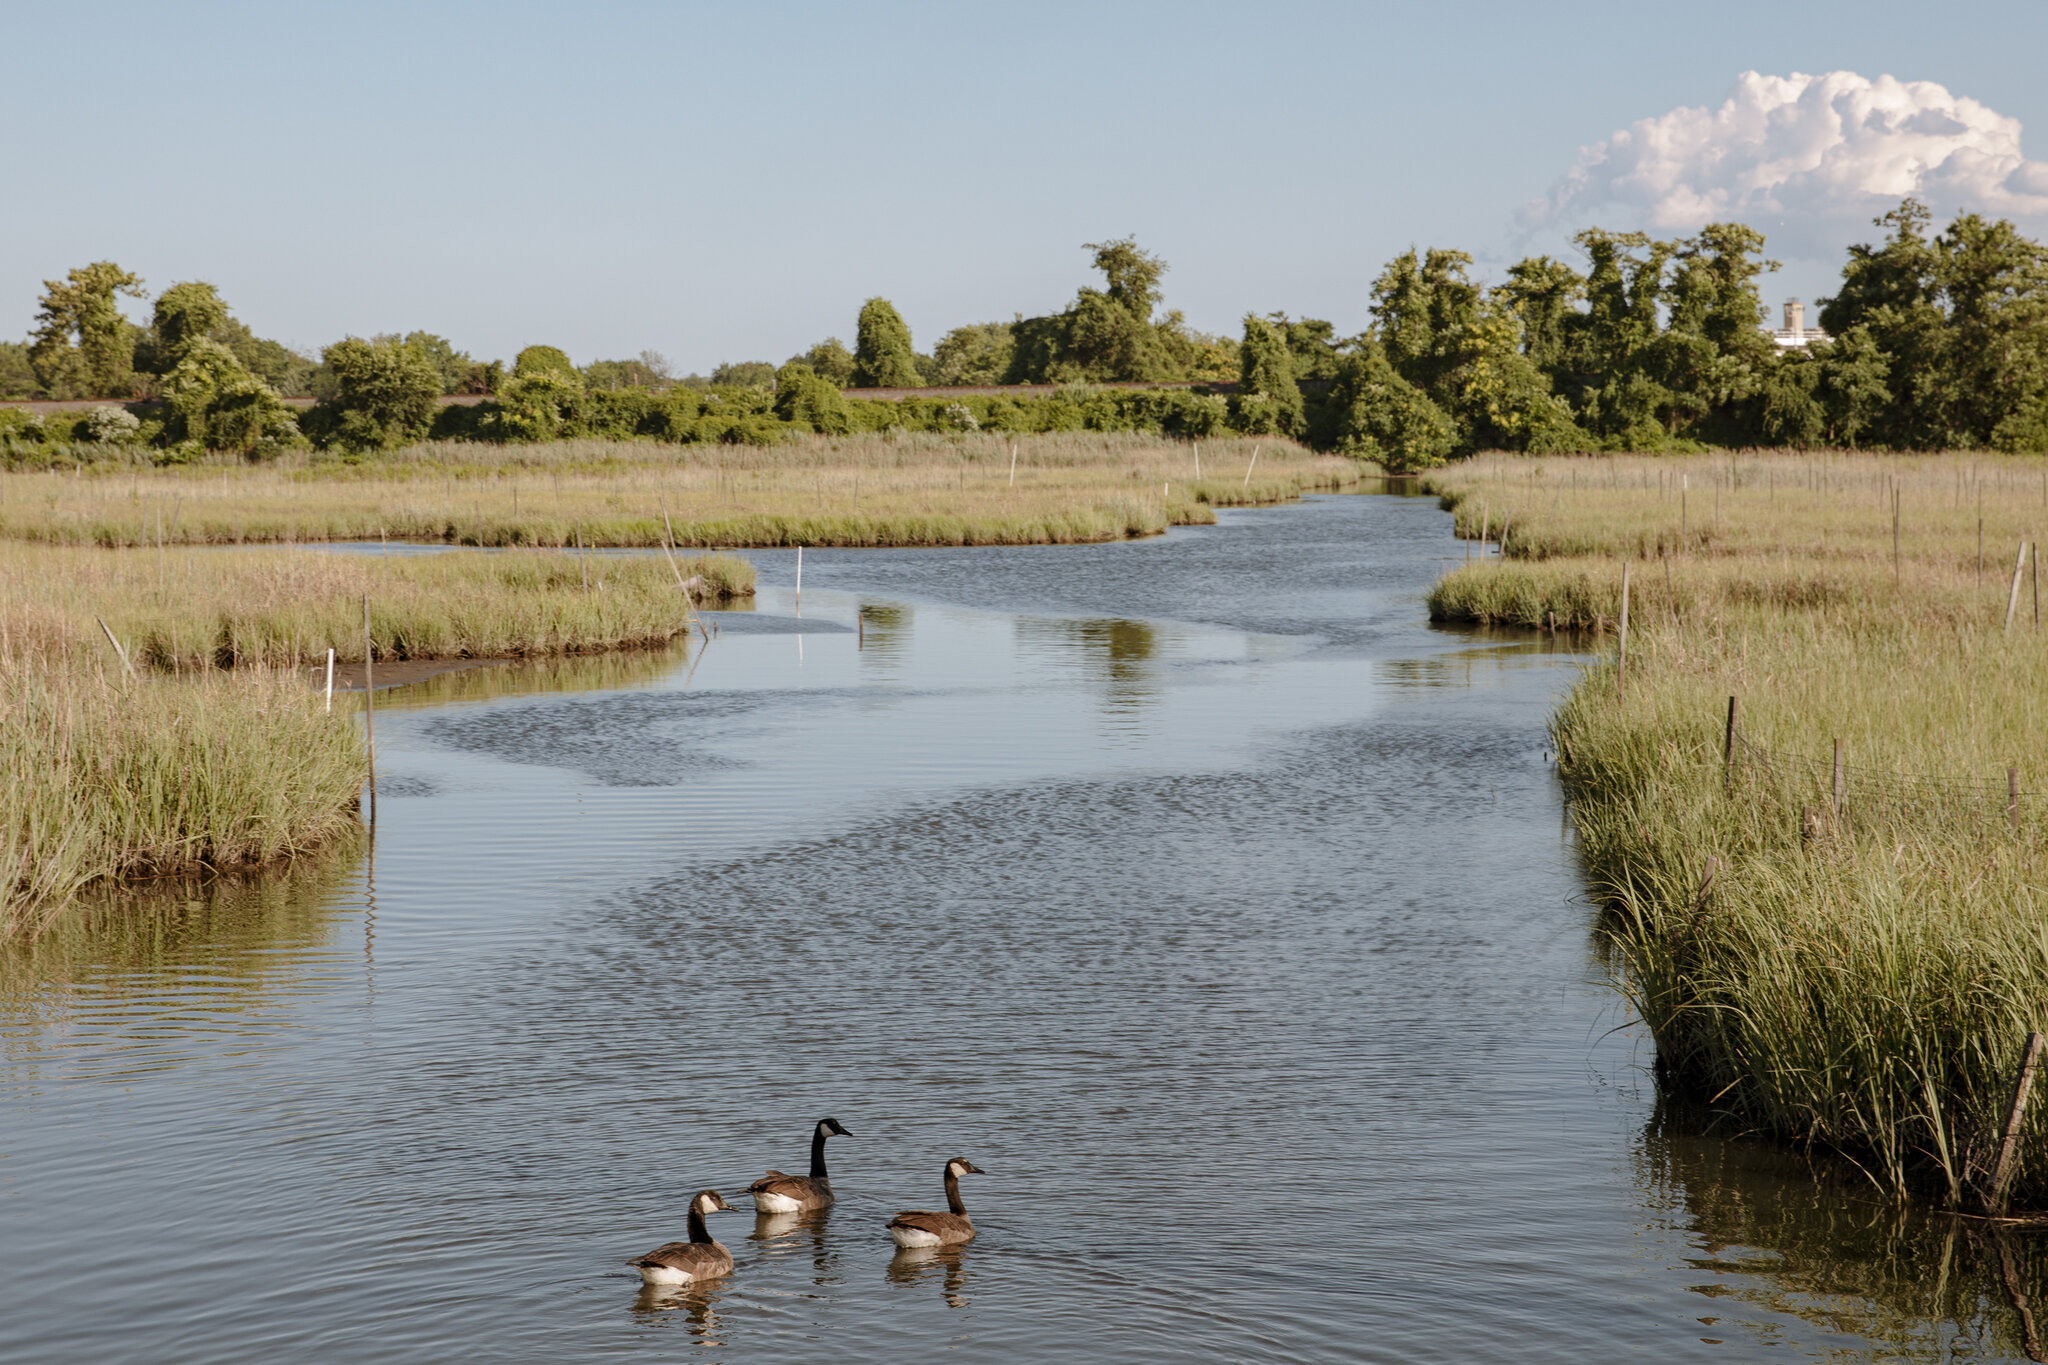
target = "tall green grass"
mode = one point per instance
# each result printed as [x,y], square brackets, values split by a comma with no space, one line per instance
[1860,977]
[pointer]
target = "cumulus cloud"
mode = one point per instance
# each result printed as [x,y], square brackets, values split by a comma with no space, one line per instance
[1800,156]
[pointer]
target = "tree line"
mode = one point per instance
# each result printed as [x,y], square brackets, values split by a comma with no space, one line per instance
[1935,339]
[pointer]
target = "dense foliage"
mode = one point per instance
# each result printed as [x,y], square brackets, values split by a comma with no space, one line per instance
[1935,339]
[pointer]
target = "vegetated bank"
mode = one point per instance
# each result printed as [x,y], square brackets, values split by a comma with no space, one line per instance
[199,744]
[1844,948]
[894,490]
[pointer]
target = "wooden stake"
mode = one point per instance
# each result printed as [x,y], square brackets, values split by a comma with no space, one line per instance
[2008,1147]
[1013,465]
[1728,740]
[370,705]
[1895,537]
[1198,457]
[2012,600]
[1621,675]
[799,580]
[2012,796]
[1250,467]
[330,682]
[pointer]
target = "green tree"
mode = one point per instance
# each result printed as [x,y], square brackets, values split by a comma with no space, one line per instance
[1268,399]
[883,357]
[211,399]
[544,360]
[82,346]
[1544,295]
[1380,416]
[385,392]
[17,375]
[830,361]
[803,396]
[978,353]
[1133,275]
[744,374]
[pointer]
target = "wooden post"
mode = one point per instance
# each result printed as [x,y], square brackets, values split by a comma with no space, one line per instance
[2008,1147]
[2012,600]
[1505,522]
[1684,491]
[1621,675]
[1841,780]
[1728,741]
[2012,796]
[370,705]
[1197,445]
[1250,467]
[1895,537]
[1013,464]
[330,682]
[117,648]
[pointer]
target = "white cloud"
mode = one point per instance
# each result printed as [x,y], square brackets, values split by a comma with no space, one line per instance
[1798,155]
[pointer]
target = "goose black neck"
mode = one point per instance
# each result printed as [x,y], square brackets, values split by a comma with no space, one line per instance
[698,1232]
[818,1155]
[953,1192]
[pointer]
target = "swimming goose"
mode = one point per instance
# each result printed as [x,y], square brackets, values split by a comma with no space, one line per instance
[916,1228]
[779,1193]
[700,1258]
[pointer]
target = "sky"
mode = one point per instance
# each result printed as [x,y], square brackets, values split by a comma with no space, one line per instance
[730,182]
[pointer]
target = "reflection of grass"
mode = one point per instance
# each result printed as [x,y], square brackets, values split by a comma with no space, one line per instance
[244,929]
[611,672]
[1863,979]
[902,489]
[1806,1244]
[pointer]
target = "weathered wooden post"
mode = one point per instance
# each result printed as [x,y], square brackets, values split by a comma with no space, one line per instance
[2009,1144]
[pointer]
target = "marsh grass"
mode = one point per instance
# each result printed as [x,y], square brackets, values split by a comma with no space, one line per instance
[218,753]
[192,609]
[108,776]
[874,490]
[1861,978]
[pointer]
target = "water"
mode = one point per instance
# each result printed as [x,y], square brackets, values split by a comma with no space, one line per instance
[1195,888]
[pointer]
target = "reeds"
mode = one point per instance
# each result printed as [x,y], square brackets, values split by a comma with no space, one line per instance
[876,490]
[1850,961]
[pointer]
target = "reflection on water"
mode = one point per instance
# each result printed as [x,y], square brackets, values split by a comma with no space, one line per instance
[693,1307]
[945,1265]
[229,949]
[620,670]
[1807,1240]
[1118,656]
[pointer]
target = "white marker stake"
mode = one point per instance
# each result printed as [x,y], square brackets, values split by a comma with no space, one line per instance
[330,682]
[799,587]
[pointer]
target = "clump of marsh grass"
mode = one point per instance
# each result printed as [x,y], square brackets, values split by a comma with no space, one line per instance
[1855,967]
[872,490]
[196,609]
[110,776]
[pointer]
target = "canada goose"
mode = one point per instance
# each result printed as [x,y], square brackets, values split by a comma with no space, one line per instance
[700,1258]
[915,1228]
[779,1193]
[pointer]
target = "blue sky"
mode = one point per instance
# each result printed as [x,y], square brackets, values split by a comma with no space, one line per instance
[730,182]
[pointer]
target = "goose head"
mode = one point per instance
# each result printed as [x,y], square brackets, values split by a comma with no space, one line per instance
[830,1128]
[960,1166]
[709,1201]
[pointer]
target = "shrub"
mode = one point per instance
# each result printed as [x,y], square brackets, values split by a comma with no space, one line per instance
[385,392]
[883,357]
[110,425]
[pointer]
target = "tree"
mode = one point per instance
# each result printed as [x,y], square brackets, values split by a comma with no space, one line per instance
[804,397]
[978,353]
[1268,399]
[544,360]
[17,375]
[1543,293]
[385,392]
[210,398]
[1380,416]
[1133,275]
[883,357]
[830,361]
[82,346]
[744,374]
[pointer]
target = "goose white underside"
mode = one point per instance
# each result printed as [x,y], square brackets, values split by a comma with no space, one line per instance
[765,1202]
[664,1274]
[914,1237]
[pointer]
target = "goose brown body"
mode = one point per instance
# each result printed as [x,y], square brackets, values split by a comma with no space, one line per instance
[779,1193]
[922,1228]
[700,1258]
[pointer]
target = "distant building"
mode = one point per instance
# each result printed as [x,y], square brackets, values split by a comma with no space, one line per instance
[1795,334]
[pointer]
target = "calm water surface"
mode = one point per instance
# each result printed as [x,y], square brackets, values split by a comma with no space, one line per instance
[1194,888]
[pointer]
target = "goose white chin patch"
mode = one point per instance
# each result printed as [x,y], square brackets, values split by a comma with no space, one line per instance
[914,1237]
